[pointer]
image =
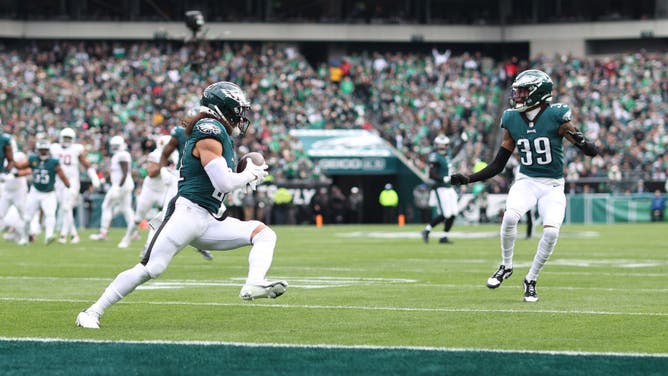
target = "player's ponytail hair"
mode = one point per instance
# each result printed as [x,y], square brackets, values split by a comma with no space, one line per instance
[189,121]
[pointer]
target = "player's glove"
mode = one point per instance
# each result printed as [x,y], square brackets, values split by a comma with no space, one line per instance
[459,179]
[464,137]
[94,179]
[578,137]
[255,173]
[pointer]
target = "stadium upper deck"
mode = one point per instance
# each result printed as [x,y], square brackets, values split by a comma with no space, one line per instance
[467,12]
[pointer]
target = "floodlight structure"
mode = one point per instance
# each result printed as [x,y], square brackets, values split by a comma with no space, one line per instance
[194,21]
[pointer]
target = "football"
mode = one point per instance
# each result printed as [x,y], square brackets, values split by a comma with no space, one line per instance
[256,157]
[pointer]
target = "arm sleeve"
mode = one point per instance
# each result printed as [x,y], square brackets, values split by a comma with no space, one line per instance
[222,177]
[493,168]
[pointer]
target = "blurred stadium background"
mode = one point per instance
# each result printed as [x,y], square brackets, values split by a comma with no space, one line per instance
[349,93]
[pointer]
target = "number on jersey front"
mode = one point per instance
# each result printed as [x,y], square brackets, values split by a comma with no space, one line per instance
[537,151]
[41,176]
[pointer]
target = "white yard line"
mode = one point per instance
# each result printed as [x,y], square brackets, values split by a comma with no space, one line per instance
[329,347]
[323,282]
[350,307]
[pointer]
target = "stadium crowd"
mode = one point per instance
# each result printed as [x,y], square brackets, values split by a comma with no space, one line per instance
[141,90]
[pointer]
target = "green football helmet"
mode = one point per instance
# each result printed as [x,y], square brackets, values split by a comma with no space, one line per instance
[227,102]
[531,88]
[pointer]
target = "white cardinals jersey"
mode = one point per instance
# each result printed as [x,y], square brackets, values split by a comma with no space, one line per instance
[115,171]
[69,160]
[162,181]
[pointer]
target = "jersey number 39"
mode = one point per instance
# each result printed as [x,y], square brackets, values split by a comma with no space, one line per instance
[537,152]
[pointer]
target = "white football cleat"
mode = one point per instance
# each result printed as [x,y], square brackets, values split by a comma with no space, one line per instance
[75,239]
[266,289]
[125,242]
[100,236]
[62,239]
[49,240]
[87,320]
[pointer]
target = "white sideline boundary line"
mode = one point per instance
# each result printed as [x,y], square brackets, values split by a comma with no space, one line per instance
[331,347]
[345,307]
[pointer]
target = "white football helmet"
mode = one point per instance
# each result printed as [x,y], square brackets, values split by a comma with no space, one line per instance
[43,148]
[67,137]
[117,143]
[441,143]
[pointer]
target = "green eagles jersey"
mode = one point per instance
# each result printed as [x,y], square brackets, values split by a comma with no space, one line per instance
[43,172]
[194,183]
[538,141]
[439,167]
[179,133]
[5,140]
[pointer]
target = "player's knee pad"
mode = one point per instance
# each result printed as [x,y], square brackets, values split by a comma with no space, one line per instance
[511,217]
[267,236]
[550,235]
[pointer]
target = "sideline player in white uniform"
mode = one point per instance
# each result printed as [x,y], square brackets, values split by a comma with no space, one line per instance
[197,215]
[119,196]
[15,194]
[42,193]
[71,156]
[159,185]
[537,128]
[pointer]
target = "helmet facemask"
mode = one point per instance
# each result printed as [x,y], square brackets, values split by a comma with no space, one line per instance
[530,89]
[66,142]
[43,149]
[441,144]
[67,136]
[117,143]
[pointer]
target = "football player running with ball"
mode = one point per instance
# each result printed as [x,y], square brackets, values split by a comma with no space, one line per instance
[536,128]
[196,215]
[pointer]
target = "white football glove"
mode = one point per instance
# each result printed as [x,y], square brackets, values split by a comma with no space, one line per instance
[94,179]
[465,137]
[255,173]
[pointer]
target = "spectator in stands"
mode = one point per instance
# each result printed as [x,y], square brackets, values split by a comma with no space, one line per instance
[417,94]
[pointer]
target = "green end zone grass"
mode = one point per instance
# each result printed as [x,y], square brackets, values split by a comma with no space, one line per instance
[603,306]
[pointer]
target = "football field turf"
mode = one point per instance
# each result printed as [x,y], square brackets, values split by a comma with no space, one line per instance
[362,300]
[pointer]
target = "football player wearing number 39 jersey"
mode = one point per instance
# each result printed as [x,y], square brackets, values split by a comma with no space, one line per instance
[536,127]
[196,215]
